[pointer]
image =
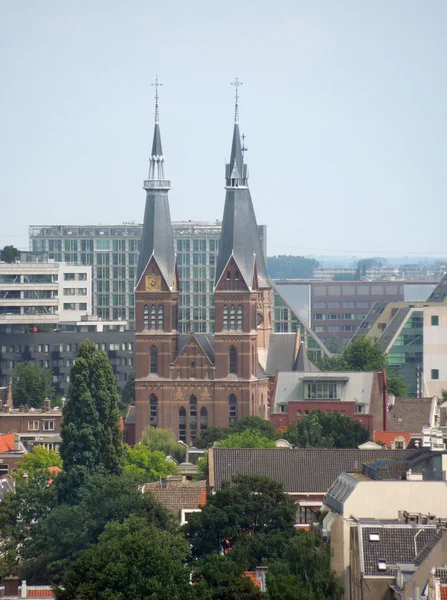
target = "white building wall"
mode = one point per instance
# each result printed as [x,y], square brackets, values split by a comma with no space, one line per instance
[435,350]
[75,292]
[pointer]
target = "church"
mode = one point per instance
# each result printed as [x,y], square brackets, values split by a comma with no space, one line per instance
[187,383]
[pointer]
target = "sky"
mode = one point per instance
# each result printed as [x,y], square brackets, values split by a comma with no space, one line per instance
[343,105]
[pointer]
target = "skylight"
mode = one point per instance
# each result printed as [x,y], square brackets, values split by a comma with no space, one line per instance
[374,537]
[381,565]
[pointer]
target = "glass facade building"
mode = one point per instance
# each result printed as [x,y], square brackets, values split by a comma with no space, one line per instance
[406,355]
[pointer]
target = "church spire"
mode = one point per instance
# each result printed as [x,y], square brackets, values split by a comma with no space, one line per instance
[236,172]
[157,239]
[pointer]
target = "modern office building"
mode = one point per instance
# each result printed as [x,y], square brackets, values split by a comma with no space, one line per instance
[386,272]
[112,251]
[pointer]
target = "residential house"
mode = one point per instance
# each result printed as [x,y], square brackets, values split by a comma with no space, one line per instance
[179,496]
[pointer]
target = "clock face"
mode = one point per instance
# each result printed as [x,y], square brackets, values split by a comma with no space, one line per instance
[153,283]
[259,319]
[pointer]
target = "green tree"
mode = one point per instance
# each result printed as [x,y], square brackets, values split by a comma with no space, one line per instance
[304,572]
[246,439]
[326,430]
[31,385]
[209,436]
[396,385]
[219,578]
[264,428]
[163,440]
[9,254]
[248,507]
[128,393]
[364,355]
[291,267]
[131,560]
[335,345]
[147,463]
[37,460]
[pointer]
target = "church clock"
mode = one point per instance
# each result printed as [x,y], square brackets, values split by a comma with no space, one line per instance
[153,283]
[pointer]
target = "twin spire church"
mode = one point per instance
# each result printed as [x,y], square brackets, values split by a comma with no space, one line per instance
[190,382]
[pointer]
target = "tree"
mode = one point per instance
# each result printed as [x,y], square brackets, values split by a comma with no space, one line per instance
[248,507]
[304,572]
[163,440]
[364,355]
[335,345]
[264,428]
[9,254]
[131,560]
[291,267]
[39,459]
[326,430]
[147,463]
[396,385]
[219,578]
[31,385]
[128,392]
[209,436]
[246,439]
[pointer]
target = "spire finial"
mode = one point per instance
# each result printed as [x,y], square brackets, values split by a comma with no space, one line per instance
[156,85]
[236,84]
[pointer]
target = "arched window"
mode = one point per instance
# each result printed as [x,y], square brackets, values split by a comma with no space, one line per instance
[153,317]
[228,275]
[232,317]
[233,360]
[193,417]
[153,410]
[239,317]
[236,275]
[225,316]
[160,316]
[146,317]
[192,370]
[232,401]
[154,360]
[182,424]
[203,418]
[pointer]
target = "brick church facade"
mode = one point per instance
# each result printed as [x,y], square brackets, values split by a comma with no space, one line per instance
[190,382]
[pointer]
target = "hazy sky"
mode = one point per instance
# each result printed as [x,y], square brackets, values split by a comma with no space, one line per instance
[343,104]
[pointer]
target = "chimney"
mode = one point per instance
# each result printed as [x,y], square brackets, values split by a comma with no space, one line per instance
[47,404]
[17,442]
[385,400]
[23,590]
[11,584]
[9,396]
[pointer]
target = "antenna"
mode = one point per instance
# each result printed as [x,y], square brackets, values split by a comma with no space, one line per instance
[236,84]
[156,85]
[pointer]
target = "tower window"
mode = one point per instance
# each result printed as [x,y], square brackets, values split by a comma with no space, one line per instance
[232,317]
[193,417]
[203,418]
[239,317]
[160,316]
[153,317]
[236,275]
[146,317]
[233,360]
[153,410]
[228,275]
[225,316]
[182,424]
[192,370]
[232,401]
[154,360]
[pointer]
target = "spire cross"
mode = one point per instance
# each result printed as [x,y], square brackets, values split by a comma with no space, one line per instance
[244,148]
[156,85]
[236,84]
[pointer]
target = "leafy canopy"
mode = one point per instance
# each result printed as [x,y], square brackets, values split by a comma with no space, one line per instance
[163,440]
[38,459]
[147,463]
[31,385]
[326,430]
[220,578]
[10,254]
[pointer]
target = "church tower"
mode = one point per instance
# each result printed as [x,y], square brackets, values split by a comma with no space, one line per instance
[156,297]
[242,288]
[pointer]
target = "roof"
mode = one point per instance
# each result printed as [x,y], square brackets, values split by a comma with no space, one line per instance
[281,353]
[298,469]
[391,544]
[439,294]
[130,415]
[302,363]
[358,386]
[386,437]
[409,414]
[7,443]
[206,343]
[174,499]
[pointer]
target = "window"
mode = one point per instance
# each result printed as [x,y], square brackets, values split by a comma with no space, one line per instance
[232,317]
[153,360]
[153,317]
[182,424]
[203,418]
[239,317]
[374,537]
[146,317]
[160,316]
[225,317]
[33,425]
[333,304]
[69,306]
[83,306]
[435,373]
[48,425]
[153,410]
[323,390]
[434,320]
[233,360]
[232,401]
[83,276]
[399,445]
[193,417]
[69,276]
[381,565]
[319,304]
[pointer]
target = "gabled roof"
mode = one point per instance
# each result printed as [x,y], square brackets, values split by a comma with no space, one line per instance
[281,353]
[7,443]
[302,363]
[387,437]
[439,294]
[205,342]
[409,414]
[190,495]
[298,469]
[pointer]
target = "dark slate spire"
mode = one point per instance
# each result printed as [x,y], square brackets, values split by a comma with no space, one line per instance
[157,239]
[240,235]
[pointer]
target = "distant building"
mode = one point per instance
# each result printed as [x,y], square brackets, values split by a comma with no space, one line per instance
[178,496]
[379,272]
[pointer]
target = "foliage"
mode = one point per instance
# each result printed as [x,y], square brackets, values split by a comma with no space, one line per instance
[202,468]
[38,459]
[91,434]
[131,560]
[246,439]
[147,463]
[443,395]
[163,440]
[10,254]
[364,355]
[209,436]
[291,267]
[69,529]
[396,385]
[219,578]
[128,393]
[247,507]
[326,430]
[304,573]
[264,428]
[335,345]
[31,385]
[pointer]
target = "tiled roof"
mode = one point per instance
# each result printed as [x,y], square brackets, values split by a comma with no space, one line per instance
[386,437]
[7,443]
[391,544]
[298,469]
[39,591]
[176,498]
[441,574]
[443,592]
[252,576]
[409,414]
